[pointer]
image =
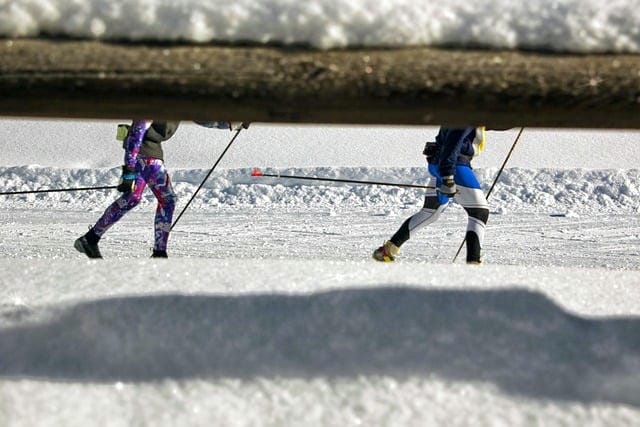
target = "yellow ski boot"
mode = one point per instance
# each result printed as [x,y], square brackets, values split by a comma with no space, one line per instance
[386,252]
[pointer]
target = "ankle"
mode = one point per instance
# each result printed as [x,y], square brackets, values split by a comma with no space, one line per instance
[92,237]
[159,254]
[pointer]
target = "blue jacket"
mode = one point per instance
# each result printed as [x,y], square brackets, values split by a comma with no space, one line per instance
[455,147]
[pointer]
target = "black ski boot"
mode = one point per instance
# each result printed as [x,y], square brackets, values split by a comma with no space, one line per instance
[88,245]
[159,254]
[473,249]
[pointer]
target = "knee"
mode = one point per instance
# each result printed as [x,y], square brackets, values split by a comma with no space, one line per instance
[431,202]
[167,201]
[133,199]
[481,214]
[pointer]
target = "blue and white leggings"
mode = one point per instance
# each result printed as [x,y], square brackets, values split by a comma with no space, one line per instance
[470,196]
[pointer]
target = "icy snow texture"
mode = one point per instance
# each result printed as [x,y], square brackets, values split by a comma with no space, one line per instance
[556,25]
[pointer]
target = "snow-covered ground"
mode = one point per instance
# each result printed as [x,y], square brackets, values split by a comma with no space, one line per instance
[244,342]
[270,310]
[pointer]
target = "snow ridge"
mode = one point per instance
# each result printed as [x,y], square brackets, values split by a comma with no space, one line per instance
[565,25]
[518,189]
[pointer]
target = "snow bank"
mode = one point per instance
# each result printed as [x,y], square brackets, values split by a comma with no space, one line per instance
[519,189]
[565,25]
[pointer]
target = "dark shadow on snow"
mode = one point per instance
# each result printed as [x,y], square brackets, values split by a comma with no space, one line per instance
[519,340]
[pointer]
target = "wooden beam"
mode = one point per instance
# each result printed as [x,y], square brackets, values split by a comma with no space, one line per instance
[408,86]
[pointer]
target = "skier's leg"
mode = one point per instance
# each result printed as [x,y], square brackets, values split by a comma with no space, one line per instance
[429,214]
[434,204]
[472,198]
[88,243]
[160,184]
[119,208]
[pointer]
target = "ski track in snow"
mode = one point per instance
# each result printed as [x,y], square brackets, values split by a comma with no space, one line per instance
[601,241]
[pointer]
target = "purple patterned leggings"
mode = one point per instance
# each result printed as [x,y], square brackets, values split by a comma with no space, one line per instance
[153,173]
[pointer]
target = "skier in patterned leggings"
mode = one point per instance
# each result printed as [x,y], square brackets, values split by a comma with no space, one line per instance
[449,164]
[143,165]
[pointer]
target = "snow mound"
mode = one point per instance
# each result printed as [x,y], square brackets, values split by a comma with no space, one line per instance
[567,25]
[569,192]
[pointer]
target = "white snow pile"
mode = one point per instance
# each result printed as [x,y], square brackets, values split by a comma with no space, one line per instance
[518,189]
[556,25]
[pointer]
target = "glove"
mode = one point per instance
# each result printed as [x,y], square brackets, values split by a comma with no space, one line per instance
[213,125]
[431,151]
[127,182]
[238,125]
[448,186]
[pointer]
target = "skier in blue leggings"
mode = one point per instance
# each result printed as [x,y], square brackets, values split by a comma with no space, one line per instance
[449,165]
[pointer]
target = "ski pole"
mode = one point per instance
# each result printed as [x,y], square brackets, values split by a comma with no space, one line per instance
[256,173]
[495,181]
[207,177]
[58,190]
